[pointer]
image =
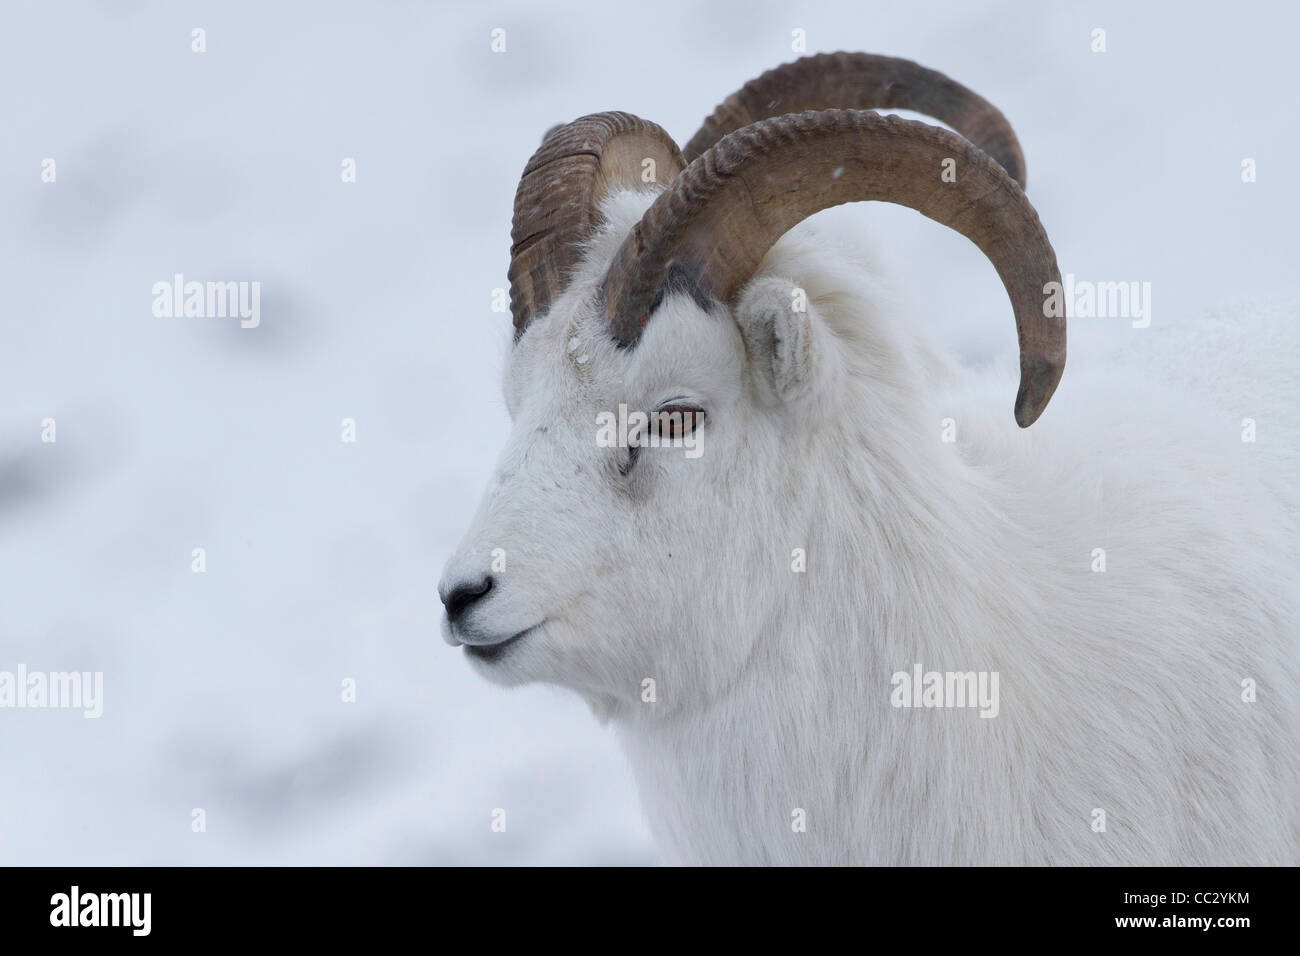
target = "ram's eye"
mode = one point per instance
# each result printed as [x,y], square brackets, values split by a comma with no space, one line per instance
[672,422]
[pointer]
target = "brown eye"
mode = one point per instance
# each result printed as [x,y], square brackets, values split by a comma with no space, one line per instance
[676,421]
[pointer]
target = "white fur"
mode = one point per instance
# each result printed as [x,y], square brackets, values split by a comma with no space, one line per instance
[1120,691]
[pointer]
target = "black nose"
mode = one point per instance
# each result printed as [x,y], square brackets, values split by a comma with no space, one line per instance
[461,597]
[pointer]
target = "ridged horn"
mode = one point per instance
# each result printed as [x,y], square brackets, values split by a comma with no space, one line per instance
[557,202]
[864,81]
[716,221]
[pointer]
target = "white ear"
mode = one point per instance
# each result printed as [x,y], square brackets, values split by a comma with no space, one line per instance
[791,352]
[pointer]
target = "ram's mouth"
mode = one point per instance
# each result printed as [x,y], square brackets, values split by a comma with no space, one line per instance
[493,652]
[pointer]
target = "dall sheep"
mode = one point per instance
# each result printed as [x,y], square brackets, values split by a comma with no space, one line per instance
[758,621]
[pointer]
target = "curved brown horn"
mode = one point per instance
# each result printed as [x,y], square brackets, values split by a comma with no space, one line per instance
[864,81]
[714,224]
[557,202]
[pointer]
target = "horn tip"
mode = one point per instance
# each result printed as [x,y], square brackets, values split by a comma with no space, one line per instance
[1038,383]
[1025,415]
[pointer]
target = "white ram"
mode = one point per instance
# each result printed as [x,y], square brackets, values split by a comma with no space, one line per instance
[750,617]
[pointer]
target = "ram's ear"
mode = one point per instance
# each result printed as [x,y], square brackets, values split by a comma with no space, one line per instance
[792,354]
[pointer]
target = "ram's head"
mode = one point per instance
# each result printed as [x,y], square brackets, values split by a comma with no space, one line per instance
[636,288]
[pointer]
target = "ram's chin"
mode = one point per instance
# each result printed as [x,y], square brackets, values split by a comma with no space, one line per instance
[510,663]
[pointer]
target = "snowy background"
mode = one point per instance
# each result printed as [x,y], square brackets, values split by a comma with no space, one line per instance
[222,689]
